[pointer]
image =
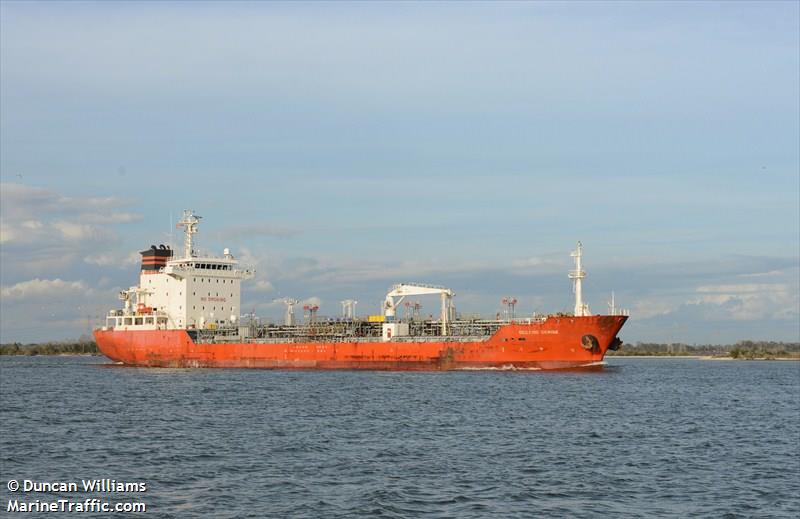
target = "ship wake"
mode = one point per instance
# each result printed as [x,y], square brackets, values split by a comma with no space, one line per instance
[593,364]
[507,367]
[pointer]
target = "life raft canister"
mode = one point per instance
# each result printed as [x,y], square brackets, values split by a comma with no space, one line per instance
[589,342]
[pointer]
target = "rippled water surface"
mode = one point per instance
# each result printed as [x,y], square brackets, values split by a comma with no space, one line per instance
[641,438]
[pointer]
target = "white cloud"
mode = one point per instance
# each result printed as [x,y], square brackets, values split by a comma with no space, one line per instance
[746,288]
[726,302]
[22,201]
[42,230]
[771,273]
[250,232]
[326,271]
[246,257]
[538,264]
[52,309]
[6,232]
[652,307]
[768,295]
[24,231]
[31,208]
[74,231]
[109,218]
[43,289]
[311,301]
[111,259]
[749,302]
[262,285]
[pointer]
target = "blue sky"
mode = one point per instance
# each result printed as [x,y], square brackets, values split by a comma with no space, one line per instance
[343,147]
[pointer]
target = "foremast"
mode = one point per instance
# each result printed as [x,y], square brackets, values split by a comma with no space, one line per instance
[577,275]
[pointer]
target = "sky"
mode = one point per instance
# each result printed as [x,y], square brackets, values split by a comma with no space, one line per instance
[340,148]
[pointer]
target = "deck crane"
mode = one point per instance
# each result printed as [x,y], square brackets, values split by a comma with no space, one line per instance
[400,291]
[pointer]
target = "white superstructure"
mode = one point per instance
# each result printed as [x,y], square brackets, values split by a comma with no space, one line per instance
[193,291]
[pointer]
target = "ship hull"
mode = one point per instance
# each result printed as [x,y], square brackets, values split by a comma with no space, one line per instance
[556,343]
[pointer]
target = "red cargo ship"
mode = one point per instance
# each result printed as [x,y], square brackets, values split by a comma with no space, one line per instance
[184,313]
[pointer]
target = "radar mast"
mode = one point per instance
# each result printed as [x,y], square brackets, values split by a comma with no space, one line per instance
[189,222]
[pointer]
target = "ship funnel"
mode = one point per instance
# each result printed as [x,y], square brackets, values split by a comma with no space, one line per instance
[154,259]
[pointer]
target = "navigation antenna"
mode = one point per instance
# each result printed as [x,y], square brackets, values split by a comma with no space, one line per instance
[189,223]
[577,275]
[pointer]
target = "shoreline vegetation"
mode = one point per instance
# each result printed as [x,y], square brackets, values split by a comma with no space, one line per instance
[78,347]
[742,350]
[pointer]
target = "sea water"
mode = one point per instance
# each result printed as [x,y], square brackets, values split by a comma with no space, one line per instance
[640,438]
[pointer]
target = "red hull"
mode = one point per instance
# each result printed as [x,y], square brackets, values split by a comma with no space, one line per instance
[553,344]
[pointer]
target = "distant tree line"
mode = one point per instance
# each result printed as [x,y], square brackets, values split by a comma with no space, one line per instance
[50,348]
[740,350]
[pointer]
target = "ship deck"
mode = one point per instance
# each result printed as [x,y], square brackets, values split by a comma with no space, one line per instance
[352,330]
